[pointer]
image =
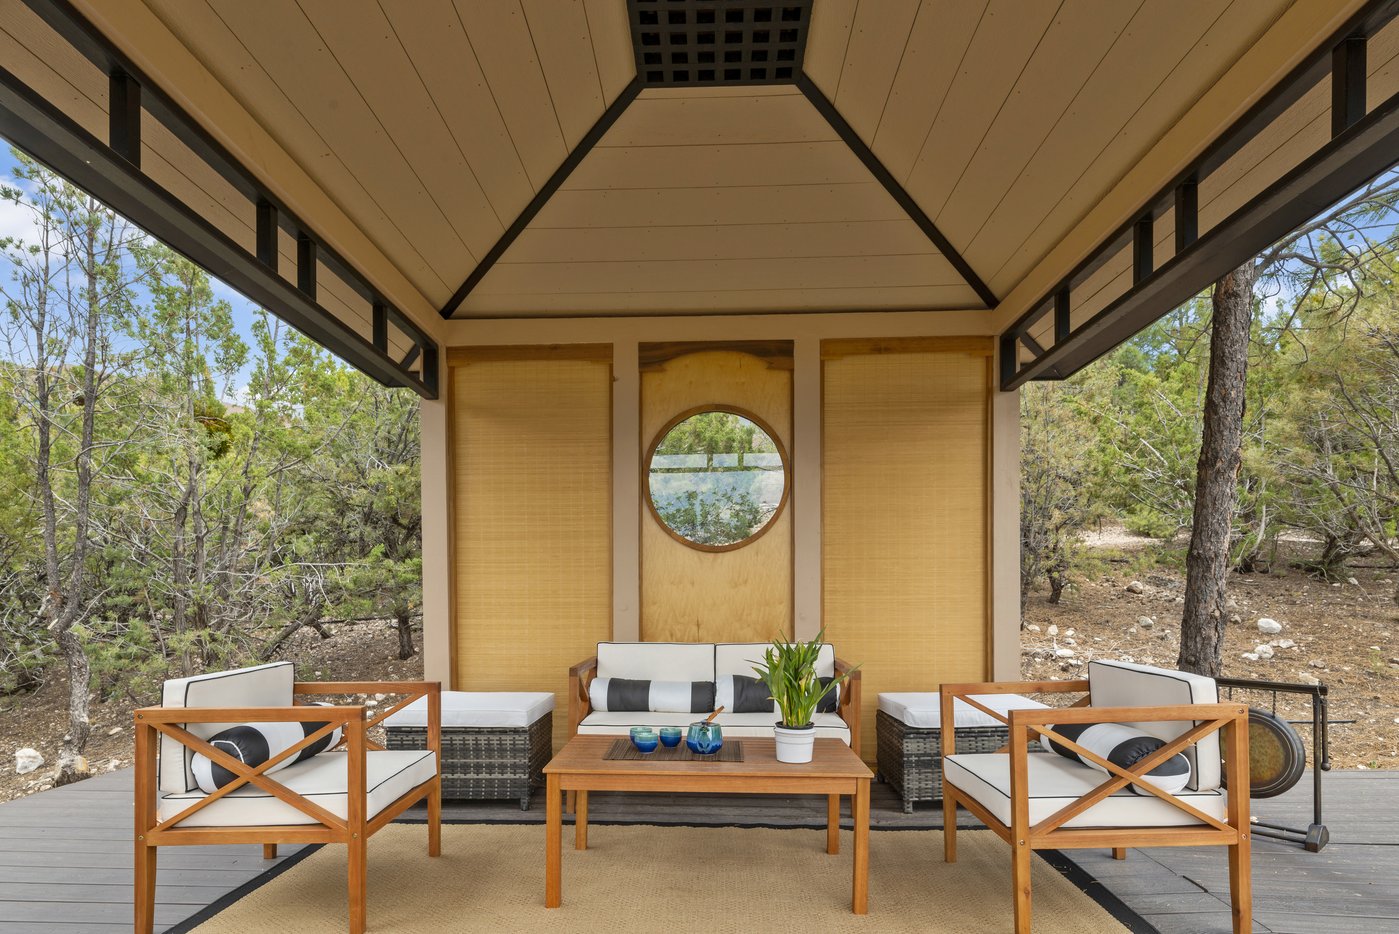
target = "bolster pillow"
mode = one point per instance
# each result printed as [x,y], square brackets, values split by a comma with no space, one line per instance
[1123,746]
[255,743]
[612,694]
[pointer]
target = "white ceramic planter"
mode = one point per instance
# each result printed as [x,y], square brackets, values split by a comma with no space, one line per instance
[794,745]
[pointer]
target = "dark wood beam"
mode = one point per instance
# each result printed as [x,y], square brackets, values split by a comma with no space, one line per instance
[1187,214]
[124,116]
[1347,83]
[876,168]
[541,197]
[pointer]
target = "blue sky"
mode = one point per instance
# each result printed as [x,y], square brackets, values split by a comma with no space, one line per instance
[15,222]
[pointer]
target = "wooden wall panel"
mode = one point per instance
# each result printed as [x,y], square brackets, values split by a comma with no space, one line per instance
[532,513]
[904,564]
[744,595]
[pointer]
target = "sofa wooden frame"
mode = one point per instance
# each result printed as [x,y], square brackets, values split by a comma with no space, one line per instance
[354,830]
[582,674]
[1230,720]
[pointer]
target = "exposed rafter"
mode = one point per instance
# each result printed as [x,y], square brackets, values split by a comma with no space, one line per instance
[1362,146]
[876,168]
[546,191]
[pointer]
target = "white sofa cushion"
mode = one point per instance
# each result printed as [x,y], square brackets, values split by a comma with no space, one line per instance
[1055,782]
[260,686]
[479,708]
[323,780]
[1123,684]
[742,694]
[1124,747]
[735,725]
[632,694]
[665,661]
[254,743]
[738,658]
[923,711]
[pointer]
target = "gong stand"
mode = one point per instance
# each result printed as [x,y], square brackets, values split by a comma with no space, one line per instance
[1315,836]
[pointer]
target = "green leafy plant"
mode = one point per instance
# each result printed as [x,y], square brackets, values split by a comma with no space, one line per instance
[788,669]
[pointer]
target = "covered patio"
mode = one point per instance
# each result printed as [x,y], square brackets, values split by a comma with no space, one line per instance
[857,228]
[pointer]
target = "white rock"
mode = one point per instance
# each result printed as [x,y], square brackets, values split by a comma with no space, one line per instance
[371,703]
[1284,644]
[1307,679]
[1146,622]
[27,760]
[1033,627]
[1250,656]
[1068,632]
[1053,630]
[1269,627]
[1065,653]
[1070,642]
[379,696]
[1352,581]
[1135,587]
[114,731]
[1263,651]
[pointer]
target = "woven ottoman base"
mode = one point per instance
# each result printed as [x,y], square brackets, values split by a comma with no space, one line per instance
[486,763]
[910,759]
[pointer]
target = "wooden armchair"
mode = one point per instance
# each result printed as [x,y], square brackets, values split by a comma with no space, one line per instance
[1081,797]
[358,786]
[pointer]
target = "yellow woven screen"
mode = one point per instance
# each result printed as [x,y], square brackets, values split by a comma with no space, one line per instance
[532,456]
[904,527]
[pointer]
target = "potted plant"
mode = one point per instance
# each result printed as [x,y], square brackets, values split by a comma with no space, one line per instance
[788,669]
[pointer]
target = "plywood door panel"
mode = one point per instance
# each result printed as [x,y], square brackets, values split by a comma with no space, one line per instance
[562,38]
[504,46]
[879,37]
[704,118]
[740,301]
[1105,134]
[362,39]
[206,35]
[532,514]
[904,534]
[743,595]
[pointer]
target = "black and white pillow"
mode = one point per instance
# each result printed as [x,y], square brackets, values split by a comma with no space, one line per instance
[1124,747]
[612,694]
[255,743]
[742,694]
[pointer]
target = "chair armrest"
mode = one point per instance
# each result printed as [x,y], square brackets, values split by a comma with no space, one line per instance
[366,687]
[579,706]
[299,714]
[1055,716]
[949,693]
[849,707]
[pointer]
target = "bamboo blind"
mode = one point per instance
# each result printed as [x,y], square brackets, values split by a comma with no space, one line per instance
[743,595]
[532,456]
[904,564]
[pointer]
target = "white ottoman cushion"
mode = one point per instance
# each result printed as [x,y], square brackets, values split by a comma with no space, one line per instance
[479,708]
[923,711]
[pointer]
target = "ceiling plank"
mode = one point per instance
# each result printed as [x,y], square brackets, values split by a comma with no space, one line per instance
[879,38]
[826,42]
[559,30]
[701,118]
[719,166]
[612,48]
[774,301]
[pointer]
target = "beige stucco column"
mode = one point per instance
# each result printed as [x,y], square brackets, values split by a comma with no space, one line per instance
[1005,535]
[436,475]
[806,486]
[626,491]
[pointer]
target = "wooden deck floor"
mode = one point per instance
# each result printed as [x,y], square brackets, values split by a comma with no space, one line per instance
[65,858]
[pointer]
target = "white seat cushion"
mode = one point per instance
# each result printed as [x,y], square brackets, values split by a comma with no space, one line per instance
[656,661]
[738,658]
[923,711]
[479,708]
[258,686]
[323,780]
[1123,684]
[735,725]
[1055,782]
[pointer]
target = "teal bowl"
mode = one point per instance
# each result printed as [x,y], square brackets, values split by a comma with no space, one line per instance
[670,736]
[644,738]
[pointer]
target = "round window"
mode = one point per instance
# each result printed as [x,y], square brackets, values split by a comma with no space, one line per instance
[716,478]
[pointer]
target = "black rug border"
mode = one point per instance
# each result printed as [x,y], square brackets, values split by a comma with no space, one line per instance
[1080,878]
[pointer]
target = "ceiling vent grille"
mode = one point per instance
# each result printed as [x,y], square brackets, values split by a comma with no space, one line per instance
[705,43]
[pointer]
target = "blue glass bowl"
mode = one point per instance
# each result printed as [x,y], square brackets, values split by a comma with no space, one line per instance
[670,736]
[644,738]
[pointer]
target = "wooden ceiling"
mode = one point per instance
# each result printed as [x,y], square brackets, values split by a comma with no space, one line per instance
[433,123]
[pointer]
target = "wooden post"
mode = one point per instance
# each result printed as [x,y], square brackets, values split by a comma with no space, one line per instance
[434,797]
[145,821]
[580,822]
[833,824]
[553,843]
[948,741]
[269,851]
[860,812]
[1119,852]
[1020,824]
[1240,861]
[355,820]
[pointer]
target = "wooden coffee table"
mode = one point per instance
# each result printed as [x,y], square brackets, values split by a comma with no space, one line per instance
[834,770]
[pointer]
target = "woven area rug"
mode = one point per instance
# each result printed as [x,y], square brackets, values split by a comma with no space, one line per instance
[672,879]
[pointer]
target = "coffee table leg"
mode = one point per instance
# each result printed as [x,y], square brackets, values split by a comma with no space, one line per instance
[833,824]
[580,822]
[553,844]
[860,811]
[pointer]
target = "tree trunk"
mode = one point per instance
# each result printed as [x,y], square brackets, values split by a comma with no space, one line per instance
[1217,476]
[404,620]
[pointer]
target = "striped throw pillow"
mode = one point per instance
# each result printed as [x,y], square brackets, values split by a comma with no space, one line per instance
[1124,747]
[255,743]
[612,694]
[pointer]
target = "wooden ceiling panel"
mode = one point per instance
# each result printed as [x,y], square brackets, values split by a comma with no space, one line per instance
[775,300]
[742,165]
[195,23]
[683,207]
[1187,46]
[565,46]
[612,47]
[879,39]
[826,42]
[660,117]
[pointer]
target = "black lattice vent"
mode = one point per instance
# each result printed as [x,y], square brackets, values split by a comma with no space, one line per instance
[699,43]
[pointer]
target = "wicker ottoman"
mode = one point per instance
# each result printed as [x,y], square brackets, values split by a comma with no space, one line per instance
[494,745]
[908,732]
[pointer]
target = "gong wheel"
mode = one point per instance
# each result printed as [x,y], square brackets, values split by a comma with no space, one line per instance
[1276,756]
